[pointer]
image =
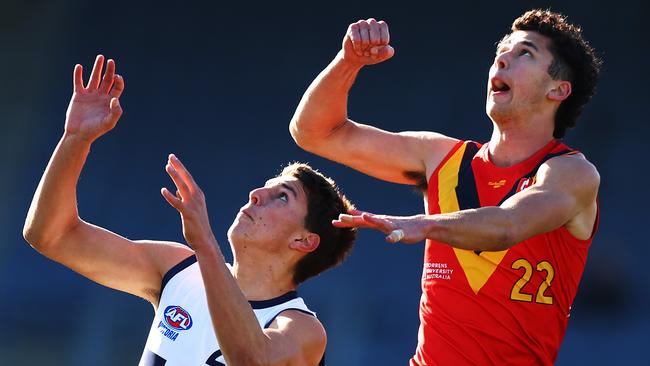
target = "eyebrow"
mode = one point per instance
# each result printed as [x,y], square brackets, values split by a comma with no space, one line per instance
[525,43]
[531,45]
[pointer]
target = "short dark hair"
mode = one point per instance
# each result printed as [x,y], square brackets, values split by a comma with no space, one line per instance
[324,203]
[574,60]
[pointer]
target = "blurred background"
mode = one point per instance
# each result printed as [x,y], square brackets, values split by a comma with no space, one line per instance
[217,83]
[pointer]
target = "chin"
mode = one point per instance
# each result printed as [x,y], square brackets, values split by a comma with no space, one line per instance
[494,111]
[234,232]
[499,113]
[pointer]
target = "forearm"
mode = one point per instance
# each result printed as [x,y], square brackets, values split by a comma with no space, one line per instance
[240,336]
[53,210]
[323,107]
[486,228]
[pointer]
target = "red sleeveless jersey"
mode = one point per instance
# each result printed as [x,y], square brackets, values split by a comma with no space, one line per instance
[494,308]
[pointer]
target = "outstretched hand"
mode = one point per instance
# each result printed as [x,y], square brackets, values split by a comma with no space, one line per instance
[189,201]
[367,42]
[95,108]
[407,229]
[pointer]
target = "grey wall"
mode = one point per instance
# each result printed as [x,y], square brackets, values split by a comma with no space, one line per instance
[217,84]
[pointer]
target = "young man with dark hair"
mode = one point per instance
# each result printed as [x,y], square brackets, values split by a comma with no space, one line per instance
[207,312]
[508,223]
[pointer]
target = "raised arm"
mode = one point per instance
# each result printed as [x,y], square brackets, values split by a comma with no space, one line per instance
[564,195]
[294,338]
[53,226]
[321,124]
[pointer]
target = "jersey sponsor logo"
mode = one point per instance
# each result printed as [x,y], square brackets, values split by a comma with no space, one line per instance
[175,319]
[497,184]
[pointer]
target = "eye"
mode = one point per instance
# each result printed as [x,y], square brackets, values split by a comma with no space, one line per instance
[525,52]
[283,196]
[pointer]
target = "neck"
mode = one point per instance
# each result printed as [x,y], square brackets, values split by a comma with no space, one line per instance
[262,280]
[510,145]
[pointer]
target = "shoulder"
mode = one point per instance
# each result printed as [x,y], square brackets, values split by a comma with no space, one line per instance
[570,169]
[300,323]
[304,330]
[429,141]
[575,179]
[165,254]
[430,147]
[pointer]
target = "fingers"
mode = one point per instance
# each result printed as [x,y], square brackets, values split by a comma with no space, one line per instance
[108,79]
[374,32]
[183,189]
[348,221]
[173,201]
[355,38]
[183,172]
[77,78]
[385,52]
[365,220]
[118,86]
[111,83]
[96,74]
[115,110]
[366,34]
[395,236]
[183,179]
[383,33]
[377,222]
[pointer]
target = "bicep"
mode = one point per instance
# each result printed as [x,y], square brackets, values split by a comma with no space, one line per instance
[117,262]
[385,155]
[295,338]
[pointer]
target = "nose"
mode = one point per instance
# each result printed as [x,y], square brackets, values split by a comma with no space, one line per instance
[501,60]
[256,196]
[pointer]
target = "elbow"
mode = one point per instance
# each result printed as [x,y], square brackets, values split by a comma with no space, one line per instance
[505,241]
[44,238]
[314,136]
[507,235]
[31,234]
[36,238]
[296,132]
[305,140]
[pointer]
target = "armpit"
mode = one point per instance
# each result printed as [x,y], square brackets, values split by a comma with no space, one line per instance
[419,180]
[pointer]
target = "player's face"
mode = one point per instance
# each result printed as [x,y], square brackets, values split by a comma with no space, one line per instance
[519,81]
[273,217]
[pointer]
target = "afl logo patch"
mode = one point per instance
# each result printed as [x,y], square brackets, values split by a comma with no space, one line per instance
[177,318]
[525,183]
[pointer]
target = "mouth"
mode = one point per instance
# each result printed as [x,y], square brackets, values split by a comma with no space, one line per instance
[498,86]
[243,212]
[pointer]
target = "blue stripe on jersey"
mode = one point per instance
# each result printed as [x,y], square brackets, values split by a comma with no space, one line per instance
[152,359]
[261,304]
[174,271]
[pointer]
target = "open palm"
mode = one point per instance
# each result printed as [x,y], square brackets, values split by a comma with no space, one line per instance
[95,108]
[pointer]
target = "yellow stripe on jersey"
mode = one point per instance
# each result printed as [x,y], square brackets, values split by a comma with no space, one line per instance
[477,268]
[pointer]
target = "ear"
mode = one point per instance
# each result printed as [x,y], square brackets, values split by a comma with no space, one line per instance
[560,92]
[306,244]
